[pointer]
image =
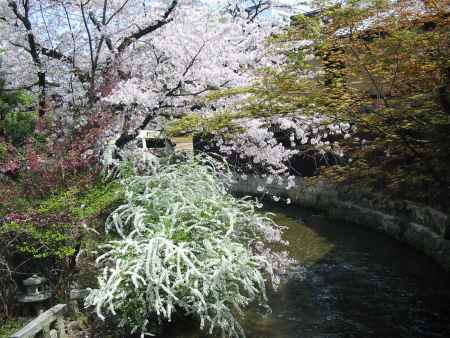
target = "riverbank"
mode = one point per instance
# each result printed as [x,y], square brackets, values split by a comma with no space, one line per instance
[422,227]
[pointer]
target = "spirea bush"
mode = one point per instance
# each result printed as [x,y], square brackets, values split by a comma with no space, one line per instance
[184,245]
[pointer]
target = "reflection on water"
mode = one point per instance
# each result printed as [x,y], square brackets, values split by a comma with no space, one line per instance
[349,282]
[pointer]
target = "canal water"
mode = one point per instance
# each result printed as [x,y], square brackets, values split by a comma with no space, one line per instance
[348,282]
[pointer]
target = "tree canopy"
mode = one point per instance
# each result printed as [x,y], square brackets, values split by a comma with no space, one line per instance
[382,68]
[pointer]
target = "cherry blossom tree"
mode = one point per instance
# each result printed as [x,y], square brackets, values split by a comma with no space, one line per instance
[157,54]
[147,60]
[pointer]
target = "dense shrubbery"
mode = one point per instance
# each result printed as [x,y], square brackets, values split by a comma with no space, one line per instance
[50,188]
[45,235]
[184,245]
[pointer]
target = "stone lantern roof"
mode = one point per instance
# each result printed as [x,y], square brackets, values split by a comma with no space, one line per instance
[36,290]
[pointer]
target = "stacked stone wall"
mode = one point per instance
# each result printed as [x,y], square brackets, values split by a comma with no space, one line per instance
[422,227]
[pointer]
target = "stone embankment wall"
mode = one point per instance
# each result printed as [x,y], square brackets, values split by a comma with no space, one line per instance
[424,228]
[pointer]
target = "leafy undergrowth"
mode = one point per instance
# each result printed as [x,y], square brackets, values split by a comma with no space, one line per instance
[51,227]
[83,204]
[183,246]
[8,327]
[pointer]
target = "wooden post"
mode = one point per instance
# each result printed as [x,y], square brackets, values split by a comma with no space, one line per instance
[76,296]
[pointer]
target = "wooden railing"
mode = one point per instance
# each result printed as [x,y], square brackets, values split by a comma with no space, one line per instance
[43,324]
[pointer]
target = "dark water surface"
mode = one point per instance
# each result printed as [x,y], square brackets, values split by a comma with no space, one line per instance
[349,282]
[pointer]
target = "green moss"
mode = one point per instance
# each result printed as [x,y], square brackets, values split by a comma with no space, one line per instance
[53,224]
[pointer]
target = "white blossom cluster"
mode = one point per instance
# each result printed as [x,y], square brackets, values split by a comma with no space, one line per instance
[201,46]
[258,144]
[185,245]
[199,51]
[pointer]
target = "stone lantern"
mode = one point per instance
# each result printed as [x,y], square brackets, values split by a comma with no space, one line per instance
[36,291]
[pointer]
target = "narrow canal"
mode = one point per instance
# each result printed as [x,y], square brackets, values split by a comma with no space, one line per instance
[348,282]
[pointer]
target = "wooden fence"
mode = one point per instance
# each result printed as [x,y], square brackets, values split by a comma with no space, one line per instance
[49,324]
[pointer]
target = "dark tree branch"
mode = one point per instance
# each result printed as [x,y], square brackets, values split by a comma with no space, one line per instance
[88,31]
[105,7]
[126,138]
[24,87]
[33,50]
[54,54]
[91,54]
[257,9]
[57,55]
[147,30]
[99,28]
[192,62]
[206,89]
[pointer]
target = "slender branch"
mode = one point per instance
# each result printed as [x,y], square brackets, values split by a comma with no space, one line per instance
[91,53]
[88,32]
[71,33]
[15,44]
[45,24]
[116,12]
[191,63]
[73,50]
[370,76]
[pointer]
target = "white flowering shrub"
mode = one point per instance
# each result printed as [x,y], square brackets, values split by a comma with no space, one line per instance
[186,246]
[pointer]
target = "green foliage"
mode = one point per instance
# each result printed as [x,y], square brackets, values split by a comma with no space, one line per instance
[228,92]
[17,126]
[97,201]
[41,243]
[3,149]
[83,204]
[44,235]
[126,169]
[197,124]
[8,100]
[10,326]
